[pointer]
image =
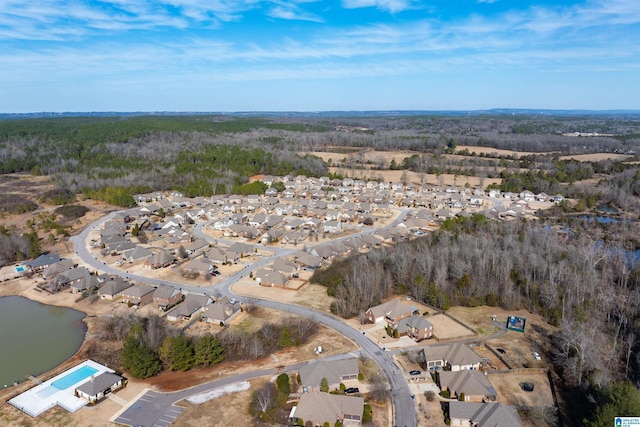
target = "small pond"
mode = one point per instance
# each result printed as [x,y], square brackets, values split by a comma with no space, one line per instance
[36,337]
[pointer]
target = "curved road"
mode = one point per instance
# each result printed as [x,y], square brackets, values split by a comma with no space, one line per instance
[403,403]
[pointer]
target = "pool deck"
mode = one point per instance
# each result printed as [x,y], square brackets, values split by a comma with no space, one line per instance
[45,396]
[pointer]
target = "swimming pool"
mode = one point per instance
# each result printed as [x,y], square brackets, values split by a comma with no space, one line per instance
[74,377]
[19,268]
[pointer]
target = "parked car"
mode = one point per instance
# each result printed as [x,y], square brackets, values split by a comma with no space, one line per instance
[415,373]
[536,355]
[352,390]
[501,350]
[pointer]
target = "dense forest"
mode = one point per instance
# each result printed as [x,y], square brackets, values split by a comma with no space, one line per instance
[110,158]
[584,279]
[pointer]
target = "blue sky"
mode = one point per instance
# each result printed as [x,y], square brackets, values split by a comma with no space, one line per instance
[306,55]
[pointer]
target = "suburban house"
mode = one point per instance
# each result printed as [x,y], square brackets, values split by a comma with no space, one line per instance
[392,311]
[120,246]
[138,295]
[467,386]
[99,387]
[42,262]
[58,268]
[323,252]
[332,226]
[85,284]
[192,304]
[136,254]
[220,311]
[324,408]
[453,357]
[307,260]
[165,297]
[160,259]
[70,277]
[288,268]
[415,327]
[270,278]
[201,266]
[335,372]
[198,245]
[241,249]
[467,414]
[216,255]
[113,288]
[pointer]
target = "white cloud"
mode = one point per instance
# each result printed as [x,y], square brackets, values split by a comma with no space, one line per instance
[393,6]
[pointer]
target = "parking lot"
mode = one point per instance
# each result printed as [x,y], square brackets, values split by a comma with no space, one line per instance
[150,410]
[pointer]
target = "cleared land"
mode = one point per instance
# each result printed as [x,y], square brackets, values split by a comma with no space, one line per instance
[510,392]
[445,328]
[596,157]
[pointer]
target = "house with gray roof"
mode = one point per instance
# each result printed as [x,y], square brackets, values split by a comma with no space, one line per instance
[241,249]
[192,304]
[138,295]
[392,311]
[160,259]
[415,327]
[70,277]
[271,278]
[113,288]
[57,268]
[120,246]
[467,386]
[491,414]
[165,297]
[196,246]
[287,268]
[216,255]
[85,284]
[137,254]
[454,357]
[335,371]
[99,387]
[220,311]
[42,262]
[308,260]
[201,266]
[320,408]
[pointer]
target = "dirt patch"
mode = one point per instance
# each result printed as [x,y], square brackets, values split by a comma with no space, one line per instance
[309,295]
[495,151]
[220,411]
[511,393]
[445,328]
[32,187]
[414,178]
[596,157]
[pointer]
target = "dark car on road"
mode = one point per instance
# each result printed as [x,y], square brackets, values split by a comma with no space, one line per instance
[415,373]
[352,390]
[501,350]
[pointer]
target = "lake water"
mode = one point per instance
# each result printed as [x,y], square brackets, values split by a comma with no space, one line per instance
[35,337]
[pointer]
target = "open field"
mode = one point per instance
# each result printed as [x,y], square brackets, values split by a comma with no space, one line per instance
[384,157]
[445,328]
[218,412]
[510,393]
[494,151]
[596,157]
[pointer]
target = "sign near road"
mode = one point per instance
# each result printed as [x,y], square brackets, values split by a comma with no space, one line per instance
[515,323]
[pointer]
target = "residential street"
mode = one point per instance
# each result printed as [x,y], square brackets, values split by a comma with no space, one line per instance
[162,405]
